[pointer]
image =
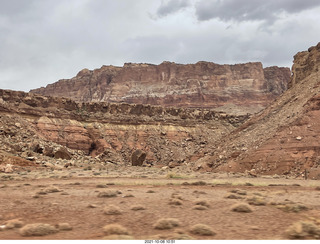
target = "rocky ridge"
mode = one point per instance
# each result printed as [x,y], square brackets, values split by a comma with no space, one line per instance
[42,128]
[283,138]
[240,88]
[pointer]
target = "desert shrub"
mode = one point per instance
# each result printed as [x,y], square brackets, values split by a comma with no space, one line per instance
[174,201]
[295,208]
[52,190]
[202,230]
[174,176]
[199,183]
[233,196]
[112,210]
[64,226]
[257,201]
[38,229]
[199,207]
[241,192]
[128,195]
[176,195]
[241,208]
[137,208]
[118,237]
[14,223]
[41,192]
[115,229]
[303,230]
[166,224]
[108,194]
[101,186]
[202,202]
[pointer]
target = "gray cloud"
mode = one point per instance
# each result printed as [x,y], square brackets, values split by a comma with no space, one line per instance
[44,41]
[171,6]
[246,10]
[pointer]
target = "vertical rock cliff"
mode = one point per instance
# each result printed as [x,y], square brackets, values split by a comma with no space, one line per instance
[245,88]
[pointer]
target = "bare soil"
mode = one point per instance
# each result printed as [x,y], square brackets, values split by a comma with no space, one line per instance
[75,201]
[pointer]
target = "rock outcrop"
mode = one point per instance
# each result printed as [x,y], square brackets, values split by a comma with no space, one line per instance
[239,88]
[282,139]
[36,126]
[305,63]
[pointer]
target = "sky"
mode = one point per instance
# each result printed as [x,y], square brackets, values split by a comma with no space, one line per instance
[42,41]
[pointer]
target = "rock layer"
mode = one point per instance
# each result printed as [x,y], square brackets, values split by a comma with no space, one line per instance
[233,88]
[108,132]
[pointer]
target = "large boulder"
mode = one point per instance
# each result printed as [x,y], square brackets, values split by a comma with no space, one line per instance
[62,153]
[138,157]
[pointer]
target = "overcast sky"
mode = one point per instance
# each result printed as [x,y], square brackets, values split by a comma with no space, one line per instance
[42,41]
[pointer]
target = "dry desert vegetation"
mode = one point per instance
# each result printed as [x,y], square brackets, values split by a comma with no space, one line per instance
[154,203]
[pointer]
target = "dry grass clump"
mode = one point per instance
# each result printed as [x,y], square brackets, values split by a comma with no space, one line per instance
[202,202]
[38,229]
[303,230]
[292,208]
[174,201]
[108,194]
[128,195]
[181,237]
[199,183]
[101,186]
[52,189]
[174,176]
[115,229]
[41,192]
[112,210]
[14,223]
[166,224]
[118,237]
[233,196]
[237,191]
[137,208]
[64,226]
[257,201]
[150,191]
[202,230]
[177,235]
[243,193]
[177,195]
[199,207]
[241,208]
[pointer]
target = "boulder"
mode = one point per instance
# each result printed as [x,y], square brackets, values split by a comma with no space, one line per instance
[138,157]
[62,153]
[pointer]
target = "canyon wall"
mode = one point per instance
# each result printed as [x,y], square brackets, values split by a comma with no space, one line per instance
[109,131]
[282,139]
[239,88]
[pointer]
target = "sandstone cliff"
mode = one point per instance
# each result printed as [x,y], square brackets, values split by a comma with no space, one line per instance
[244,88]
[107,132]
[282,139]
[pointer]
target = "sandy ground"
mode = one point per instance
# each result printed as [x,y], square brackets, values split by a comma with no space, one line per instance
[72,196]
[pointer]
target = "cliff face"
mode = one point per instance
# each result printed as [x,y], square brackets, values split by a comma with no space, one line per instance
[305,63]
[284,138]
[30,124]
[201,85]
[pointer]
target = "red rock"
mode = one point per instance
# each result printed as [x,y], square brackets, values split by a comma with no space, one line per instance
[232,88]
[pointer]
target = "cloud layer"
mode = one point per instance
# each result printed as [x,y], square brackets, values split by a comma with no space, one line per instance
[251,10]
[44,41]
